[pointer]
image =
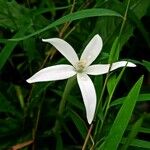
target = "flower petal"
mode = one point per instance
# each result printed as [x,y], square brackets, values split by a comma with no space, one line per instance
[104,68]
[88,94]
[92,50]
[64,48]
[53,73]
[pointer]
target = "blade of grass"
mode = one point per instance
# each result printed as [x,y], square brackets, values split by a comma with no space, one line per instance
[117,130]
[140,26]
[134,131]
[141,98]
[79,123]
[6,106]
[114,52]
[138,143]
[144,130]
[59,144]
[95,12]
[9,47]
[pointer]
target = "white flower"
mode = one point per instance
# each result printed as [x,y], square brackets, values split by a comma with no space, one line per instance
[80,67]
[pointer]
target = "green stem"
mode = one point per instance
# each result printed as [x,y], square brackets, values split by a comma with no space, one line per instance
[99,105]
[69,85]
[87,137]
[107,104]
[122,26]
[99,127]
[20,96]
[124,18]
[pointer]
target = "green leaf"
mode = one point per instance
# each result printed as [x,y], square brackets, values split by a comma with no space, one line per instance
[5,105]
[95,12]
[71,100]
[98,83]
[59,144]
[141,98]
[144,130]
[13,15]
[9,47]
[117,130]
[138,143]
[134,131]
[146,64]
[112,87]
[29,46]
[9,126]
[79,123]
[139,7]
[37,90]
[112,81]
[114,52]
[114,55]
[137,21]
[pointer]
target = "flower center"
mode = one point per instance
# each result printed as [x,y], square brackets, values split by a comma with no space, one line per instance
[80,66]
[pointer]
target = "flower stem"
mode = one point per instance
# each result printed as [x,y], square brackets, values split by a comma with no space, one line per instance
[69,85]
[99,106]
[87,137]
[99,127]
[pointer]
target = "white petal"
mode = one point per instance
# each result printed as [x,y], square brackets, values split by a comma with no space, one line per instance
[88,94]
[64,48]
[104,68]
[53,73]
[92,50]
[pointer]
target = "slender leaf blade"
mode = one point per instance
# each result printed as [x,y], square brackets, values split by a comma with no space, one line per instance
[134,131]
[141,98]
[9,47]
[79,123]
[138,143]
[95,12]
[117,130]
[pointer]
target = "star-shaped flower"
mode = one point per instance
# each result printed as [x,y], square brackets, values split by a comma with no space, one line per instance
[81,67]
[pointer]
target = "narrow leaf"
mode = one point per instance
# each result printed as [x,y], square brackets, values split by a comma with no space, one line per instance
[134,131]
[59,144]
[138,143]
[79,123]
[141,98]
[114,52]
[8,49]
[117,130]
[95,12]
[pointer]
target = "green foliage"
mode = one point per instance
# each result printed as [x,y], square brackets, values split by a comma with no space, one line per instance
[121,121]
[51,115]
[133,133]
[13,15]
